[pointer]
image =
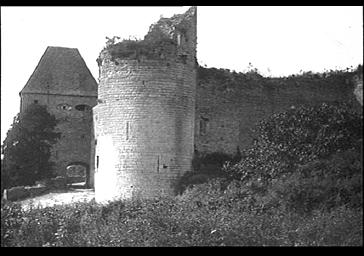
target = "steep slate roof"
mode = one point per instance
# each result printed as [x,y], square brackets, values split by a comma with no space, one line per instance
[61,71]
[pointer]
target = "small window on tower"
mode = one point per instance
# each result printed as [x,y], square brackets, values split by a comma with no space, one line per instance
[64,107]
[203,125]
[82,107]
[35,101]
[127,130]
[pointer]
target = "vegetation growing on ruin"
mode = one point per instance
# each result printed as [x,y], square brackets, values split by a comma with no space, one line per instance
[310,196]
[299,136]
[224,78]
[306,159]
[136,49]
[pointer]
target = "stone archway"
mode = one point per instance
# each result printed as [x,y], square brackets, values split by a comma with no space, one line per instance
[78,172]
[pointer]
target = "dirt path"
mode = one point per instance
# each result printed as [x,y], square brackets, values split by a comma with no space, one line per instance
[58,198]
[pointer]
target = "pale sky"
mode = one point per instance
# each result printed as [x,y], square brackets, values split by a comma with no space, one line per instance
[278,41]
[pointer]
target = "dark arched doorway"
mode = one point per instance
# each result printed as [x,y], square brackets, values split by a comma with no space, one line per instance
[78,174]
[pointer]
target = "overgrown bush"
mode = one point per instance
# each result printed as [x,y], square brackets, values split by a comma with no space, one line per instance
[264,218]
[297,137]
[323,184]
[306,159]
[27,147]
[206,166]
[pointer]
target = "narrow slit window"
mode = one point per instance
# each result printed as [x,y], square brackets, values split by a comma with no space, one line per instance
[158,164]
[127,130]
[97,161]
[203,125]
[178,39]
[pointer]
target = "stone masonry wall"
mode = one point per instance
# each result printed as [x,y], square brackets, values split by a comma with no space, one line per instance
[147,120]
[75,126]
[229,111]
[144,121]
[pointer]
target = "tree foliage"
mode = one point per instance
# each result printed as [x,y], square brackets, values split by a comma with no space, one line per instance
[27,146]
[296,137]
[304,159]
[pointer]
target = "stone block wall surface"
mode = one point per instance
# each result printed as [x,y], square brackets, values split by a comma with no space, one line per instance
[74,126]
[37,190]
[16,193]
[144,122]
[59,182]
[147,119]
[22,192]
[230,113]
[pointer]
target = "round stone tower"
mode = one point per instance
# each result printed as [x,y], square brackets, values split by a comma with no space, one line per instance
[144,120]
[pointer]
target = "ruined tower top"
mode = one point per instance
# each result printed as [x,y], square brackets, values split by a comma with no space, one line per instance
[61,71]
[180,28]
[172,39]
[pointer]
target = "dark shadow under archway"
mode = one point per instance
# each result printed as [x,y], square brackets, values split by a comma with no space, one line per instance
[78,173]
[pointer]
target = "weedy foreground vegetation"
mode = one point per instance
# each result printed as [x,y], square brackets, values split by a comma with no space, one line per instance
[299,184]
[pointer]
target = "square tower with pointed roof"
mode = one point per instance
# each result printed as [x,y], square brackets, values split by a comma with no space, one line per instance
[62,82]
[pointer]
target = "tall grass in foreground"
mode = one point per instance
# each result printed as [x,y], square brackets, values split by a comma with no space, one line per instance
[178,222]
